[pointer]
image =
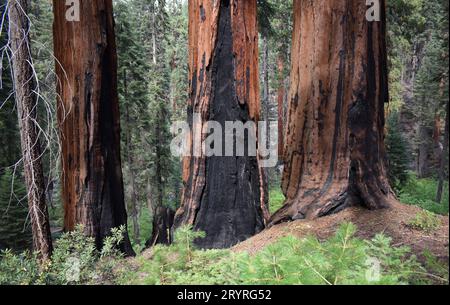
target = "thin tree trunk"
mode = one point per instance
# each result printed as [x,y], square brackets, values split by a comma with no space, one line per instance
[158,170]
[26,101]
[423,152]
[266,111]
[280,104]
[162,216]
[88,114]
[154,34]
[162,227]
[444,160]
[265,73]
[223,196]
[335,155]
[150,201]
[134,199]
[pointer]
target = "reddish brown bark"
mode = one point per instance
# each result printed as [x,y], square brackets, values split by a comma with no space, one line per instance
[26,103]
[280,104]
[88,114]
[223,196]
[437,129]
[334,153]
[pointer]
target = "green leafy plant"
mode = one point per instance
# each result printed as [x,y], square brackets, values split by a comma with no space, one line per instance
[422,192]
[20,269]
[276,199]
[341,259]
[75,260]
[425,221]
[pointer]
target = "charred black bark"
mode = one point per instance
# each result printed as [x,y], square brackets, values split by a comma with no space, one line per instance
[229,210]
[162,227]
[222,194]
[88,115]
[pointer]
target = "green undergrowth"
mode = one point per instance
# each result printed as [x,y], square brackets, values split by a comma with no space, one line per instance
[342,259]
[422,193]
[425,221]
[75,260]
[276,199]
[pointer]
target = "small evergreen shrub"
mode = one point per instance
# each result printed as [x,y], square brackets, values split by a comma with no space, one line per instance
[20,269]
[342,259]
[397,153]
[438,269]
[145,228]
[425,221]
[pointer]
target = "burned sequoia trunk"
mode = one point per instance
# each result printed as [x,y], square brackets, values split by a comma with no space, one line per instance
[222,196]
[162,227]
[334,152]
[88,114]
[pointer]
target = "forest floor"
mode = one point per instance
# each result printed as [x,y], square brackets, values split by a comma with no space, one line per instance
[393,222]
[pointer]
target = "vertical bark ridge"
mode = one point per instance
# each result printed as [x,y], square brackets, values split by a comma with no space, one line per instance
[26,103]
[222,195]
[88,114]
[334,153]
[280,104]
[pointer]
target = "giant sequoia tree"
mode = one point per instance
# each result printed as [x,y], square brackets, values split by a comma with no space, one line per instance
[223,196]
[334,152]
[88,113]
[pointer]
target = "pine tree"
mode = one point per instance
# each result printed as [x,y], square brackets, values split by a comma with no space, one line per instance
[152,88]
[133,65]
[397,153]
[159,112]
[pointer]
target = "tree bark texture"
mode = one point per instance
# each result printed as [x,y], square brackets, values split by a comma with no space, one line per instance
[134,196]
[162,227]
[444,159]
[88,113]
[280,104]
[424,151]
[223,196]
[26,102]
[334,152]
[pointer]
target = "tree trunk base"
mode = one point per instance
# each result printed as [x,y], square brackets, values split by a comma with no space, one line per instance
[162,227]
[307,206]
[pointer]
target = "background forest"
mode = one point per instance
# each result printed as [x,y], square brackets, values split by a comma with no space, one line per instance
[152,48]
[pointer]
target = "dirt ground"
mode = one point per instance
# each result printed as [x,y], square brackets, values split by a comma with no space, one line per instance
[392,222]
